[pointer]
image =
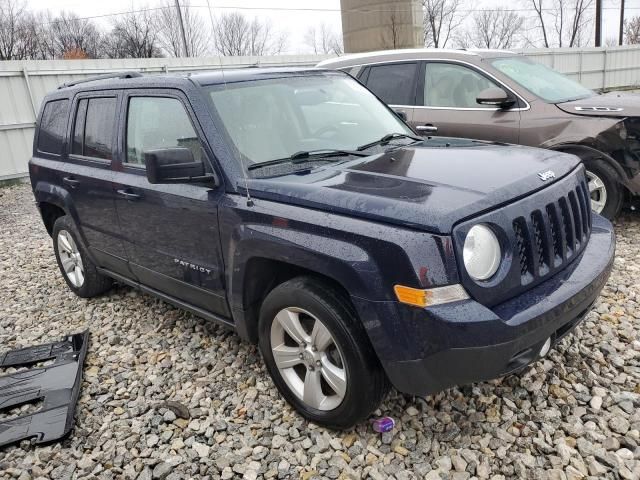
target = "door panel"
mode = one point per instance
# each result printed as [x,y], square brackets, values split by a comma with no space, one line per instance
[170,231]
[448,106]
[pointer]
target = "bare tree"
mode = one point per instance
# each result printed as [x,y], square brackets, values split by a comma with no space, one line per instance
[18,35]
[134,35]
[563,23]
[323,40]
[196,32]
[632,31]
[441,19]
[234,34]
[66,33]
[494,28]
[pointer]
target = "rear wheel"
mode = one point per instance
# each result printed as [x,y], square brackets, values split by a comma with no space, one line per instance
[319,355]
[605,188]
[76,267]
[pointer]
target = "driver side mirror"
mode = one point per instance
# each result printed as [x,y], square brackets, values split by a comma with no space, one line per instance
[495,97]
[174,165]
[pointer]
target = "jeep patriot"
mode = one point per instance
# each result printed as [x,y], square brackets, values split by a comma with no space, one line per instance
[295,207]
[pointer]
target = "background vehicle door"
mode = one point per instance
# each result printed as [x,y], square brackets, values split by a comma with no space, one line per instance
[447,105]
[170,231]
[87,176]
[394,84]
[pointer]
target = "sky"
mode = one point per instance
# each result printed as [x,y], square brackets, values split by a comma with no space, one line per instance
[283,14]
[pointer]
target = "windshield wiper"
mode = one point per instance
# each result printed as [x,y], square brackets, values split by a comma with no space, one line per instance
[307,156]
[387,138]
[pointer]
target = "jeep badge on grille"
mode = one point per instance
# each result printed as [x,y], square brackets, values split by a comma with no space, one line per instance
[548,175]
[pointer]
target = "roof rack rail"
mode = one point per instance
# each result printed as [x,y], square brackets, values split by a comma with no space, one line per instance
[101,77]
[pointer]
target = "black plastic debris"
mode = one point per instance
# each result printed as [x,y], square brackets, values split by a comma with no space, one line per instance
[56,385]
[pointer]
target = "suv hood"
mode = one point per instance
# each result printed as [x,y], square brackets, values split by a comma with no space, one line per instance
[614,104]
[429,187]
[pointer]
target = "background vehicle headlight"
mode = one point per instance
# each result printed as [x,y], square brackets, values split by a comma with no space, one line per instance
[481,252]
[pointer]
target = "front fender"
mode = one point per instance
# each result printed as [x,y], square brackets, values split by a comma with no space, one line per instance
[365,258]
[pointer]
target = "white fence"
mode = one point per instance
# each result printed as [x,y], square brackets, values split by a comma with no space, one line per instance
[23,84]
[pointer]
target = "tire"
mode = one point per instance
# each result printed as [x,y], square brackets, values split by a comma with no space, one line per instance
[70,252]
[604,182]
[345,353]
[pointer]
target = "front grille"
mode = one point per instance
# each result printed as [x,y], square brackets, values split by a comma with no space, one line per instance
[550,237]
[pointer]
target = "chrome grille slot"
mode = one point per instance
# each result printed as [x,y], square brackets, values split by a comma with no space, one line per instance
[523,246]
[556,233]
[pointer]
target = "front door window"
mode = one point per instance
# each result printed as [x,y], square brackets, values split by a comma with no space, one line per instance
[454,86]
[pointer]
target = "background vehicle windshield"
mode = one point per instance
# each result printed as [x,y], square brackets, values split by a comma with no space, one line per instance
[551,86]
[275,118]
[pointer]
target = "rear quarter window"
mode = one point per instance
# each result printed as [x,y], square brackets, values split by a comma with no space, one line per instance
[53,124]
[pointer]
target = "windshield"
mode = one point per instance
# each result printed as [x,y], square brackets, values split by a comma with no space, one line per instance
[277,118]
[551,86]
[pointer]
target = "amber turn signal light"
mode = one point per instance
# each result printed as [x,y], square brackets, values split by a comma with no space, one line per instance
[433,296]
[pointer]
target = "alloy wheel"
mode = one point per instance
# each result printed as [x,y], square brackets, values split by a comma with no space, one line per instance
[597,192]
[70,258]
[308,358]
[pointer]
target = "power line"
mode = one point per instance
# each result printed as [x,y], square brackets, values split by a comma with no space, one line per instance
[315,9]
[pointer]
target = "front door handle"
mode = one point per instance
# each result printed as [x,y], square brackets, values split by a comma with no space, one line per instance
[128,195]
[428,128]
[70,182]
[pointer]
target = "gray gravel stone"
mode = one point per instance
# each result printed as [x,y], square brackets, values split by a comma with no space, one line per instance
[167,395]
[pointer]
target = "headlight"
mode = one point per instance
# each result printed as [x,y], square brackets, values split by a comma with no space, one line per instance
[481,252]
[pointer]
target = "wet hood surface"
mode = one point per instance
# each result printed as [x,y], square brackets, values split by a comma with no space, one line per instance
[429,187]
[614,104]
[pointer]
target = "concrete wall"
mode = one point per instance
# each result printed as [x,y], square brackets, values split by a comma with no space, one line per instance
[369,25]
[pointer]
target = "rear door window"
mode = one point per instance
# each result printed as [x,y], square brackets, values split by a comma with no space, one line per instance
[94,127]
[393,83]
[53,124]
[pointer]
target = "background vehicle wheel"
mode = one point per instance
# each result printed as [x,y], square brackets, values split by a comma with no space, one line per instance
[605,189]
[319,355]
[77,268]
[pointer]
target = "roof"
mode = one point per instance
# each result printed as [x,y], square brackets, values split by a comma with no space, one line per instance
[412,54]
[213,77]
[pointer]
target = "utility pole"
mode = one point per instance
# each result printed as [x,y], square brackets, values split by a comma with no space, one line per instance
[621,39]
[598,22]
[184,37]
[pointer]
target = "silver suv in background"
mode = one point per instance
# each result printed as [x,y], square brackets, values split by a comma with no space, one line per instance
[505,97]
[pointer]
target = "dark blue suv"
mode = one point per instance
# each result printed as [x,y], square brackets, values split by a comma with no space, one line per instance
[297,208]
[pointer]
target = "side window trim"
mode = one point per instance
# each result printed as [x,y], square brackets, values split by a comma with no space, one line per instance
[176,95]
[71,130]
[519,106]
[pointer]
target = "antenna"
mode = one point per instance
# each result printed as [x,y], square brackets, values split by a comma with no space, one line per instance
[224,83]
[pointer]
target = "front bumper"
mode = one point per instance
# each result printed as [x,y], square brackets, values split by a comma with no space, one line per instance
[424,351]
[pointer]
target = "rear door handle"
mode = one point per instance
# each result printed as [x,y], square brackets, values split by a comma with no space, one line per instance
[427,128]
[70,182]
[128,195]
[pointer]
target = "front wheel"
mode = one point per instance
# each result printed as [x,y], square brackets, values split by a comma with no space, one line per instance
[605,189]
[319,355]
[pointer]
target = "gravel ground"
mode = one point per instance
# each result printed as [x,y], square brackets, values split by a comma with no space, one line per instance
[573,415]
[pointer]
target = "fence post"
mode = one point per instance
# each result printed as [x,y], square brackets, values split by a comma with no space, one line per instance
[25,74]
[604,71]
[580,66]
